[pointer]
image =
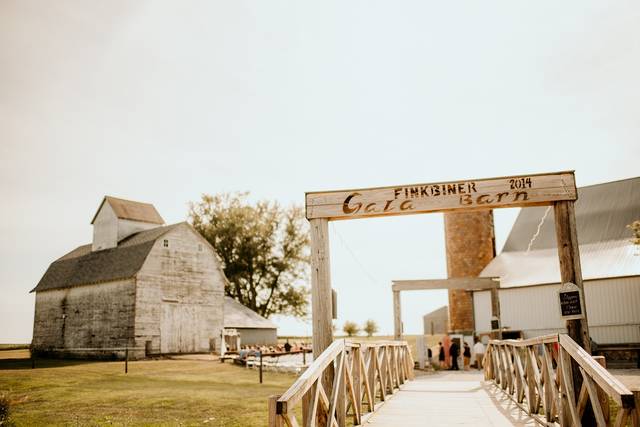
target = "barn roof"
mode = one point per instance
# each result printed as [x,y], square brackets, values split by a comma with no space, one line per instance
[237,315]
[603,212]
[81,266]
[131,210]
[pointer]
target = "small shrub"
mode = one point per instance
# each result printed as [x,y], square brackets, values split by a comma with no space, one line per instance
[370,327]
[350,328]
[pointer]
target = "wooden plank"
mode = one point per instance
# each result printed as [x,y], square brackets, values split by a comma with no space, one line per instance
[593,395]
[397,316]
[304,382]
[621,419]
[609,383]
[465,283]
[567,382]
[321,311]
[491,193]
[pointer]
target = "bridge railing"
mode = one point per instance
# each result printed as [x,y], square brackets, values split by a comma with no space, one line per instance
[347,377]
[537,375]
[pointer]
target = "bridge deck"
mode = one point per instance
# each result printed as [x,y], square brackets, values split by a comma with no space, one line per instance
[449,398]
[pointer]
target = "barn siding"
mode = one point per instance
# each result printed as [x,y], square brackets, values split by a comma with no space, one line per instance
[84,317]
[612,309]
[185,281]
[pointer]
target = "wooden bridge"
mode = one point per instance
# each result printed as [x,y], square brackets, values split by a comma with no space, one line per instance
[525,382]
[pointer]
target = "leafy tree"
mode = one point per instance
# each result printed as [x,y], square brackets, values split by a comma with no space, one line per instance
[370,327]
[264,250]
[350,328]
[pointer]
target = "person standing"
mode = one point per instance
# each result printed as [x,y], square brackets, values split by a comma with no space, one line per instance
[446,344]
[478,349]
[454,352]
[466,354]
[441,355]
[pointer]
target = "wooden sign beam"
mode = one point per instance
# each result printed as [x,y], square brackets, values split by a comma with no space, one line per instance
[465,283]
[491,193]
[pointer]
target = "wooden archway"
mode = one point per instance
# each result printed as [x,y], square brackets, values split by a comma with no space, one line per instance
[557,189]
[465,283]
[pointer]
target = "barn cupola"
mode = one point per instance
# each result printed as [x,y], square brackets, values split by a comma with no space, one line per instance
[117,219]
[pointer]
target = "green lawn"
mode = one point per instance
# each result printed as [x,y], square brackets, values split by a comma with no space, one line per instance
[155,392]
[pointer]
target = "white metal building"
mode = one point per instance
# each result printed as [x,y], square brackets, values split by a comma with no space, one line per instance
[529,271]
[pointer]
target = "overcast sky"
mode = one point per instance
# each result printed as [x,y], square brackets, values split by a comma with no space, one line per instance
[162,101]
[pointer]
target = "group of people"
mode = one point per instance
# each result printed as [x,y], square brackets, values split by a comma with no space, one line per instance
[449,352]
[255,350]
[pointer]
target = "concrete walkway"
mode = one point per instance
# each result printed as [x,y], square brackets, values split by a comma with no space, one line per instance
[449,398]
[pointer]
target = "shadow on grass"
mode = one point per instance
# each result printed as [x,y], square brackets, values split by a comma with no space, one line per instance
[23,363]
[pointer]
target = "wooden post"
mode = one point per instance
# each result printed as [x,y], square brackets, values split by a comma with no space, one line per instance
[320,286]
[274,419]
[126,360]
[570,270]
[357,378]
[260,367]
[397,316]
[495,309]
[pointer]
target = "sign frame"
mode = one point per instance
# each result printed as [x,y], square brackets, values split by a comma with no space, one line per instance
[571,288]
[476,194]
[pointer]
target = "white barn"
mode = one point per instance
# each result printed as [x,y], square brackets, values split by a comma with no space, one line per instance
[140,284]
[529,271]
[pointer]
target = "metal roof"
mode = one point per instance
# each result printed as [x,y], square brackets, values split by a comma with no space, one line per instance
[237,315]
[603,212]
[83,267]
[131,210]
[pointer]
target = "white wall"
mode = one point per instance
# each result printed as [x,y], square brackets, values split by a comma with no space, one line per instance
[127,227]
[105,229]
[613,309]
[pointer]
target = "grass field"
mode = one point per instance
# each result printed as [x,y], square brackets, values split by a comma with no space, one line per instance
[155,392]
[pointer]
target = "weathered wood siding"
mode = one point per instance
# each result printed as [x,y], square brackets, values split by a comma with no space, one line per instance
[84,317]
[180,295]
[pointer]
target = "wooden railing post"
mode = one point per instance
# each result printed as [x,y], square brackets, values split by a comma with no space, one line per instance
[274,418]
[602,396]
[357,378]
[397,316]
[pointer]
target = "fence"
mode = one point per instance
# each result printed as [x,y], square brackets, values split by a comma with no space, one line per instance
[344,379]
[537,374]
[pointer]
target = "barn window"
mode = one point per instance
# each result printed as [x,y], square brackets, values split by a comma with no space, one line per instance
[200,248]
[165,243]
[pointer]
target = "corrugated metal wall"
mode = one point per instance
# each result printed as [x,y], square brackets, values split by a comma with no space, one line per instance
[613,308]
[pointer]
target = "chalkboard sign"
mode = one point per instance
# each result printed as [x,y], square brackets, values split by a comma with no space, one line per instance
[495,324]
[570,301]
